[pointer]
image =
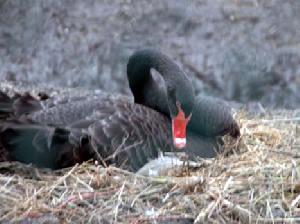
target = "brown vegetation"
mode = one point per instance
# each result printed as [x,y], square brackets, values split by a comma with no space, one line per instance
[258,182]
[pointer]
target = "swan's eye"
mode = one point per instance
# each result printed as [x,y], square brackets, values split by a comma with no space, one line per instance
[179,123]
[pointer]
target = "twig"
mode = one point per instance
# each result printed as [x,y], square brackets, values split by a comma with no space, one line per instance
[280,120]
[119,201]
[203,215]
[86,196]
[162,218]
[243,214]
[62,179]
[278,220]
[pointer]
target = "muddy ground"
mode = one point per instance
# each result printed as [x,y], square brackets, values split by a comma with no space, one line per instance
[241,50]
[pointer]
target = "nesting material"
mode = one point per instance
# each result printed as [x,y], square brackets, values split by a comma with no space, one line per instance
[257,181]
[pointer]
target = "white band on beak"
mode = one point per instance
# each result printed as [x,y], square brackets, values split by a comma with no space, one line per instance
[179,142]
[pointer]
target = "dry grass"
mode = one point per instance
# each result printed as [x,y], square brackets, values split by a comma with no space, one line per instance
[258,183]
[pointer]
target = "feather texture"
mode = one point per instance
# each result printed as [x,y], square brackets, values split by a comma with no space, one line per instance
[113,129]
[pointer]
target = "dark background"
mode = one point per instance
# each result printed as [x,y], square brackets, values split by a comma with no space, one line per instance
[240,50]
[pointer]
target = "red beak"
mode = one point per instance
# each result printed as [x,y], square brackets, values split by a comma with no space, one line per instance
[179,124]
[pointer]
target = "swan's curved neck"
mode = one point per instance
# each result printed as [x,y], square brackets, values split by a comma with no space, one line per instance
[149,93]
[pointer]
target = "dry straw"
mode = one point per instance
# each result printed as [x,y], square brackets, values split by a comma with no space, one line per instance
[256,182]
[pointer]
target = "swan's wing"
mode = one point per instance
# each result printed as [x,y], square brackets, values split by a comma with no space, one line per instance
[18,105]
[212,118]
[117,128]
[130,136]
[109,130]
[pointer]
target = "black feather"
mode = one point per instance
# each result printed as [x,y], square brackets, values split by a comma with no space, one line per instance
[112,129]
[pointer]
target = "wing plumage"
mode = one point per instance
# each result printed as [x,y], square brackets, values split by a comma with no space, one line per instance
[212,117]
[109,130]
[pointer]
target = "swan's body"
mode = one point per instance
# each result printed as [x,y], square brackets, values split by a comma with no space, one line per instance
[111,129]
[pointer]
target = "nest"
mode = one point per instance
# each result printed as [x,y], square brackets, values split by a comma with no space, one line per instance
[257,182]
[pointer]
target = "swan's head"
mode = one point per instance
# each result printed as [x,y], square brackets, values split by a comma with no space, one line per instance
[175,99]
[179,124]
[181,107]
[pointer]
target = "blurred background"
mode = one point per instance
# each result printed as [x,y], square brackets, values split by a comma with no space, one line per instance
[246,51]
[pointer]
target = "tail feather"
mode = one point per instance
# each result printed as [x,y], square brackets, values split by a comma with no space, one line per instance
[18,105]
[26,104]
[28,144]
[40,145]
[6,107]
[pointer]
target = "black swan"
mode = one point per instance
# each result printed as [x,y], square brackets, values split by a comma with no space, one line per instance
[113,129]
